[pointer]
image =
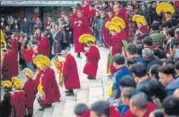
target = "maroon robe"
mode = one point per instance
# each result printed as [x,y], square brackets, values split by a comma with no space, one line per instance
[91,66]
[10,62]
[38,37]
[30,92]
[50,88]
[117,42]
[18,103]
[144,30]
[86,10]
[150,107]
[78,31]
[117,45]
[114,112]
[70,72]
[37,79]
[44,47]
[106,34]
[122,14]
[86,114]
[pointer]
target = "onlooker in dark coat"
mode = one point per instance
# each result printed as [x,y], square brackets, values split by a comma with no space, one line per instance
[148,55]
[25,26]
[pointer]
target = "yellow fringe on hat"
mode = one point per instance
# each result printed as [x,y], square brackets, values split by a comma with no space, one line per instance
[111,26]
[139,19]
[7,84]
[119,21]
[42,60]
[165,7]
[86,38]
[28,72]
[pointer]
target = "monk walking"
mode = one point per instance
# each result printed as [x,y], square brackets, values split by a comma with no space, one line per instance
[92,55]
[70,72]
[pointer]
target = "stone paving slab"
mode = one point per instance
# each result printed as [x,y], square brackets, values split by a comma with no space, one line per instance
[48,112]
[58,109]
[95,83]
[95,92]
[94,99]
[82,94]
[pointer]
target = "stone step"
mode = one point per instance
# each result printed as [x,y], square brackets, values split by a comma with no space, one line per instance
[95,92]
[82,95]
[95,83]
[48,112]
[69,107]
[58,109]
[38,113]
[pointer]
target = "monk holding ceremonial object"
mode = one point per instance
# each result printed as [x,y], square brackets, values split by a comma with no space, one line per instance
[117,28]
[45,82]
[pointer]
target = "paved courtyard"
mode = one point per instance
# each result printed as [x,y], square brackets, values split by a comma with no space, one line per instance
[90,91]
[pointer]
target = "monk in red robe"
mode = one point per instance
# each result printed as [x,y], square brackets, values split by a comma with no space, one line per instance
[70,73]
[105,31]
[85,8]
[10,62]
[93,57]
[29,90]
[47,85]
[18,100]
[44,46]
[80,26]
[120,12]
[116,45]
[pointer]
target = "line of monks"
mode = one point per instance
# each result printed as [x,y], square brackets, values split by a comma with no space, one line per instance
[44,86]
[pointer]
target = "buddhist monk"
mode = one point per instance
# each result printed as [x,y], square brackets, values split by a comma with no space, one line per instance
[105,31]
[141,25]
[10,63]
[18,100]
[93,57]
[48,91]
[43,46]
[70,73]
[118,35]
[29,90]
[80,26]
[120,11]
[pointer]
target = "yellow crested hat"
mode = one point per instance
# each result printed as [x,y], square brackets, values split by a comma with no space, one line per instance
[111,26]
[28,72]
[165,7]
[119,21]
[86,38]
[41,59]
[15,79]
[139,19]
[7,84]
[18,84]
